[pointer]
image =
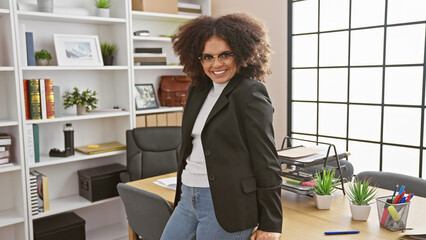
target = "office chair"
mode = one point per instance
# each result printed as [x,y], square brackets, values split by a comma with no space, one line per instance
[147,212]
[151,151]
[389,180]
[347,170]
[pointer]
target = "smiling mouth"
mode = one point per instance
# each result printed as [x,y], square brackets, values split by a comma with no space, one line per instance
[218,72]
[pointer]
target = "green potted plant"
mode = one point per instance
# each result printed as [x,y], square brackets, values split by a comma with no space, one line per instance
[361,194]
[102,7]
[85,101]
[42,57]
[108,50]
[325,185]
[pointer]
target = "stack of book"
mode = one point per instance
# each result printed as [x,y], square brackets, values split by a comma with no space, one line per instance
[40,96]
[33,195]
[42,195]
[5,142]
[149,56]
[189,9]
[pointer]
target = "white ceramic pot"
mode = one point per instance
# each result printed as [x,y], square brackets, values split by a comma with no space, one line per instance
[323,201]
[81,110]
[102,12]
[42,62]
[45,5]
[360,212]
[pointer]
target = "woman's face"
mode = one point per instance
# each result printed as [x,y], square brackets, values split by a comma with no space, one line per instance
[221,70]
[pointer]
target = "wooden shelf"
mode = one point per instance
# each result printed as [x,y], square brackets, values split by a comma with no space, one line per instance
[165,67]
[54,17]
[49,161]
[154,39]
[113,231]
[6,123]
[9,169]
[67,118]
[161,16]
[10,217]
[6,69]
[159,110]
[74,68]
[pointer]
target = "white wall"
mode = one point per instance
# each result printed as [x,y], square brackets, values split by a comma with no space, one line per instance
[273,13]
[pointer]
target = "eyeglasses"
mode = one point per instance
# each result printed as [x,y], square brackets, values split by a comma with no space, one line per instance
[207,60]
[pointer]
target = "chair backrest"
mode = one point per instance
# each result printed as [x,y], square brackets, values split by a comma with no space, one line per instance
[147,212]
[389,180]
[152,151]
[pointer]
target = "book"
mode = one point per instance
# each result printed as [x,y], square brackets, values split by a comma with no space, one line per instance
[4,160]
[30,48]
[27,100]
[149,63]
[33,194]
[5,139]
[23,44]
[57,101]
[7,165]
[189,5]
[150,59]
[29,143]
[4,154]
[101,148]
[149,55]
[148,50]
[34,97]
[42,99]
[36,143]
[50,100]
[2,148]
[42,191]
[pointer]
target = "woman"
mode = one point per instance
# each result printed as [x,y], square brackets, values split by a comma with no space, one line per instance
[228,171]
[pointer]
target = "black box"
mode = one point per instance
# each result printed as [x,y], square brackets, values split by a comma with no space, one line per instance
[100,182]
[64,226]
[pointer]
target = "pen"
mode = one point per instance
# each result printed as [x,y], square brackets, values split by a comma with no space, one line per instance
[394,192]
[402,189]
[402,196]
[341,232]
[410,196]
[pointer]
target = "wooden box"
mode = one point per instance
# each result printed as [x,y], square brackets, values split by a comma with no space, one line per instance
[159,6]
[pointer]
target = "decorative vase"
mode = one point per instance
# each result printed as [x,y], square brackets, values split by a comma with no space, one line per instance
[102,12]
[81,110]
[360,212]
[45,6]
[108,60]
[42,62]
[323,201]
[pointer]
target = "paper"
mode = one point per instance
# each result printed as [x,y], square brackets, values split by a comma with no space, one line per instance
[169,183]
[298,152]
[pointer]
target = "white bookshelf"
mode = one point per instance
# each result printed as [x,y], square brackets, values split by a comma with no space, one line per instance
[158,67]
[10,217]
[5,123]
[79,68]
[6,169]
[153,39]
[4,11]
[7,69]
[74,117]
[161,16]
[41,16]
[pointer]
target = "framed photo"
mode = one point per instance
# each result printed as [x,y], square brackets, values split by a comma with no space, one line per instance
[145,96]
[77,50]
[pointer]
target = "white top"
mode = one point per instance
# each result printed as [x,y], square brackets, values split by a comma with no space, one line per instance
[195,172]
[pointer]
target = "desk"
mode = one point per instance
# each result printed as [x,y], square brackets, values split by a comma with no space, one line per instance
[302,220]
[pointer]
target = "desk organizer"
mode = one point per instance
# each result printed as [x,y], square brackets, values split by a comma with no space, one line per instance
[392,216]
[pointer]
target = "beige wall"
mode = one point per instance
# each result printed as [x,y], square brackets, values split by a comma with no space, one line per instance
[274,15]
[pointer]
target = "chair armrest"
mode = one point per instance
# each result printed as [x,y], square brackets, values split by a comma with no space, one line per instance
[124,177]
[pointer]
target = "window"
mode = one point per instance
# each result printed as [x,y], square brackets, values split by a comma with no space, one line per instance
[358,80]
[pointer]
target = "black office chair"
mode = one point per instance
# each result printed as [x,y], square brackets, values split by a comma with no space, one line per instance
[389,180]
[147,212]
[151,151]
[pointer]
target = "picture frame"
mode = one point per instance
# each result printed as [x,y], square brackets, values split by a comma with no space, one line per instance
[77,50]
[145,96]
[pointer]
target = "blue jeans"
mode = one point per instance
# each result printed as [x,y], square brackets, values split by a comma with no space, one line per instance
[194,218]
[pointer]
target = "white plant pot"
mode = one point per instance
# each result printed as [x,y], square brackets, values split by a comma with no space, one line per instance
[42,62]
[323,201]
[360,212]
[45,6]
[81,110]
[102,12]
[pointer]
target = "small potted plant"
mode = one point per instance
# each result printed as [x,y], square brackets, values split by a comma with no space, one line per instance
[85,101]
[42,57]
[102,7]
[108,50]
[360,195]
[325,185]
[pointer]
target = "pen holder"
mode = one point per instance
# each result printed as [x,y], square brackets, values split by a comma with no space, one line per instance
[392,216]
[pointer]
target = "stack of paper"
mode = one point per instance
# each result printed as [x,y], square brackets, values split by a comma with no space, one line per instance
[167,182]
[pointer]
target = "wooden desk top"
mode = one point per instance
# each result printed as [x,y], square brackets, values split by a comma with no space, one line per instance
[302,220]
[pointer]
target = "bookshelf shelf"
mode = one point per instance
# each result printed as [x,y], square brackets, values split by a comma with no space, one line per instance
[171,67]
[9,169]
[113,231]
[76,68]
[10,217]
[49,161]
[161,16]
[70,203]
[67,118]
[159,110]
[154,39]
[4,11]
[6,69]
[24,15]
[5,123]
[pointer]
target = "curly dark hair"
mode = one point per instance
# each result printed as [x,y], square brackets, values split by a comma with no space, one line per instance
[244,34]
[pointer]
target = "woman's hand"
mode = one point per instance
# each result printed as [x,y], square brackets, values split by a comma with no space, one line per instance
[261,235]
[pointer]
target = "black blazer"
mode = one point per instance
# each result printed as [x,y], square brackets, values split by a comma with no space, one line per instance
[241,159]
